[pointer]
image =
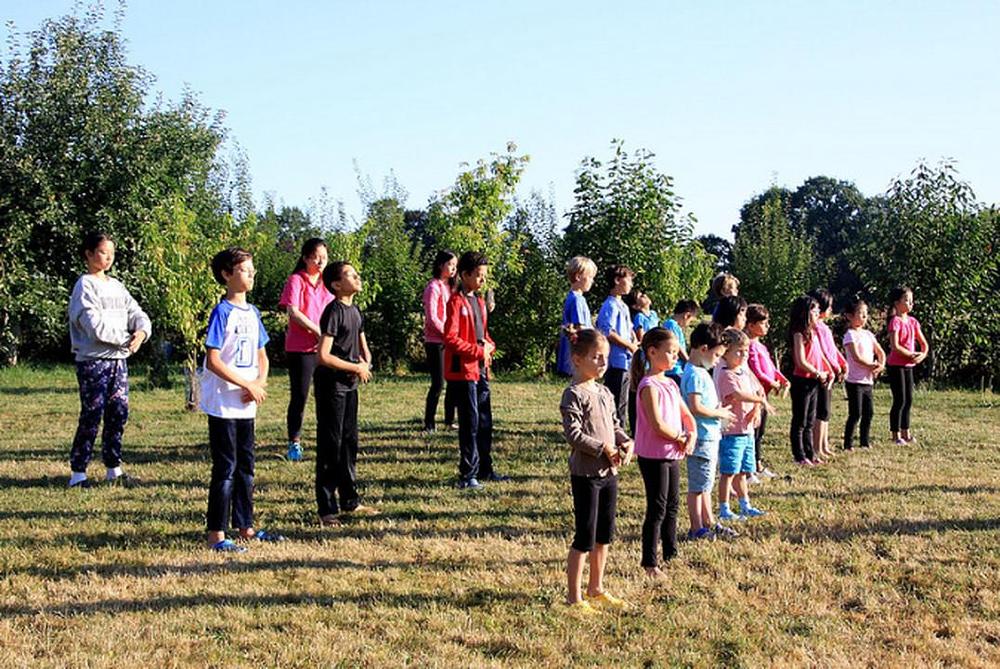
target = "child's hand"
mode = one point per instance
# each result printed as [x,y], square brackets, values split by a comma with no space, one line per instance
[136,341]
[920,357]
[726,415]
[692,441]
[364,371]
[769,408]
[254,392]
[626,452]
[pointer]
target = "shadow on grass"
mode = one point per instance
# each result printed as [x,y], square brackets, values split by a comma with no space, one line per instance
[842,533]
[25,391]
[7,482]
[876,492]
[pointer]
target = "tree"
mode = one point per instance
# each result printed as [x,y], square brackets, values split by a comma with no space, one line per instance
[719,247]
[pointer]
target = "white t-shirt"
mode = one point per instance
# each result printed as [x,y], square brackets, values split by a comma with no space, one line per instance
[238,333]
[864,341]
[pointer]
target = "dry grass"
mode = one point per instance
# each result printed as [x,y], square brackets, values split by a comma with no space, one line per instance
[886,558]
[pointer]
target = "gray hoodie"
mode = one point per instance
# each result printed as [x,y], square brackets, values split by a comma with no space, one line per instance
[102,317]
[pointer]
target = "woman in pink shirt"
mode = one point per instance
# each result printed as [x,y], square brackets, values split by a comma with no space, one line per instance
[837,365]
[904,336]
[303,298]
[436,296]
[811,371]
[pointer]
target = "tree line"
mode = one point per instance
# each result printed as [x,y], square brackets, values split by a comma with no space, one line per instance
[84,145]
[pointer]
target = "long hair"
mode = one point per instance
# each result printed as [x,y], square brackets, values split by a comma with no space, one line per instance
[653,338]
[895,295]
[308,248]
[798,318]
[728,309]
[443,257]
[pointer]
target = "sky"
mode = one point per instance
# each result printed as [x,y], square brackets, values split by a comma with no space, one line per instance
[731,96]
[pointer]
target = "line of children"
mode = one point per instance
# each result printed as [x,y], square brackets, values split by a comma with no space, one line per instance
[865,361]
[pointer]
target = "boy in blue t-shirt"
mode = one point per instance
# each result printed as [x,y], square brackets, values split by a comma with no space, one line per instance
[699,392]
[232,385]
[684,313]
[576,312]
[615,323]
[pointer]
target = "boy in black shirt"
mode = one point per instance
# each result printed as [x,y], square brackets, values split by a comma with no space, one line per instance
[344,359]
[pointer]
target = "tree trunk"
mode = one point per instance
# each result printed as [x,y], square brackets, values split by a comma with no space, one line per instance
[192,391]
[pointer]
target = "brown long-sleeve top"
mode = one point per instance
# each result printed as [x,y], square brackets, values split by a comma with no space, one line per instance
[589,422]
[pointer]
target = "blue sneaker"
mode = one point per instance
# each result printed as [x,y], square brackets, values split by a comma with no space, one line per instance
[294,452]
[228,546]
[470,484]
[267,537]
[748,511]
[703,534]
[726,514]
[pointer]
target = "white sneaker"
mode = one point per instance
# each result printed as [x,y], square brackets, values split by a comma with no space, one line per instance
[754,479]
[768,474]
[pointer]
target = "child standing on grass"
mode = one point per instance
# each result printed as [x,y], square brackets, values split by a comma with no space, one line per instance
[738,389]
[838,367]
[904,337]
[810,371]
[768,375]
[598,446]
[106,326]
[685,312]
[344,361]
[615,323]
[731,312]
[468,354]
[304,298]
[865,361]
[435,298]
[576,312]
[664,434]
[232,385]
[698,391]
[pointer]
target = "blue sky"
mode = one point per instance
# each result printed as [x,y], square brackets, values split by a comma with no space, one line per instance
[730,96]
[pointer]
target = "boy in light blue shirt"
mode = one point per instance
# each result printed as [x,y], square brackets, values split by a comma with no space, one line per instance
[684,313]
[698,390]
[615,323]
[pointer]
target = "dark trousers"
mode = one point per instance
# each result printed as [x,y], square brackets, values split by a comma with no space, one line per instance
[901,384]
[435,360]
[336,449]
[860,407]
[617,381]
[758,439]
[300,376]
[804,393]
[475,427]
[595,504]
[231,441]
[103,394]
[659,527]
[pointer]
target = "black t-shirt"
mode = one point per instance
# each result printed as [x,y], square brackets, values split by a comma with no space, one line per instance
[344,323]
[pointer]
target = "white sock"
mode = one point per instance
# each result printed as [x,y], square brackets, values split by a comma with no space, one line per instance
[114,472]
[76,477]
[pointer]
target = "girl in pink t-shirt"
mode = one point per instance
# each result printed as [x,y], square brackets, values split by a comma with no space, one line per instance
[304,298]
[865,361]
[664,433]
[436,296]
[810,372]
[904,338]
[767,373]
[838,367]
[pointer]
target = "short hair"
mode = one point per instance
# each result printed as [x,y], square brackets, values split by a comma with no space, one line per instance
[707,334]
[333,273]
[723,281]
[583,341]
[757,313]
[470,260]
[686,307]
[823,298]
[227,260]
[733,338]
[728,308]
[616,272]
[580,265]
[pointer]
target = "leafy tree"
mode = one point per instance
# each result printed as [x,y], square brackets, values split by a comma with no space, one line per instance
[719,247]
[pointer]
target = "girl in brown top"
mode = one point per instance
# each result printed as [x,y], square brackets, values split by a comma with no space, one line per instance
[599,446]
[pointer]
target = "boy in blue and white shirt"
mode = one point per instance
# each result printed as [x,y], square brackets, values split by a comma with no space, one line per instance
[232,385]
[615,322]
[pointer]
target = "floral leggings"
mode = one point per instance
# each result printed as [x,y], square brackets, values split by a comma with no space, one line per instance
[103,393]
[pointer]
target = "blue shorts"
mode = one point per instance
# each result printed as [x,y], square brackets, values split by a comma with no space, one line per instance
[701,474]
[736,454]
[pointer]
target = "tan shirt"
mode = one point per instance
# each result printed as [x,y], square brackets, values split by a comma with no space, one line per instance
[589,422]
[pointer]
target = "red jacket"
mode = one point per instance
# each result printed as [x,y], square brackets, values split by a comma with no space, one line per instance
[461,352]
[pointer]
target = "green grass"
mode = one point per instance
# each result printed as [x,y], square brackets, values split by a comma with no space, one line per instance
[885,558]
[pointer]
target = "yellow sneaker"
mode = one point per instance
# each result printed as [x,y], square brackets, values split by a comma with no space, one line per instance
[582,608]
[606,601]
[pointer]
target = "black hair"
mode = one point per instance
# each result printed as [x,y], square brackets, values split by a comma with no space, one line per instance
[798,317]
[757,313]
[333,273]
[853,304]
[92,240]
[895,295]
[308,248]
[227,260]
[651,339]
[470,260]
[728,309]
[707,334]
[615,272]
[443,257]
[686,307]
[823,298]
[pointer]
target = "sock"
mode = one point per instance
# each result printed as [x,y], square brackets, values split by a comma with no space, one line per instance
[744,502]
[723,506]
[76,477]
[114,472]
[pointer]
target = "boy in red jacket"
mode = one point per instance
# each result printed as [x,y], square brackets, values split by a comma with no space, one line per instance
[468,351]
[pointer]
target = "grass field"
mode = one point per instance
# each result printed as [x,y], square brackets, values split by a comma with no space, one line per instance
[885,558]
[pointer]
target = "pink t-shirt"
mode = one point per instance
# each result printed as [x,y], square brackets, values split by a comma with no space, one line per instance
[907,328]
[864,341]
[829,347]
[814,356]
[648,443]
[311,301]
[727,381]
[760,363]
[436,296]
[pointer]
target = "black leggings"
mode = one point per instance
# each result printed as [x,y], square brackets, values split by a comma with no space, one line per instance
[435,360]
[758,439]
[300,375]
[901,383]
[595,504]
[662,481]
[860,407]
[804,392]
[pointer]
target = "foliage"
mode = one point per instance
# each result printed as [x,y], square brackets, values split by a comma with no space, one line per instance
[719,247]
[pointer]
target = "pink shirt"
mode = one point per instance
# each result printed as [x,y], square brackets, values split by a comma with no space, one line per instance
[814,356]
[649,443]
[311,301]
[907,328]
[436,296]
[760,363]
[864,341]
[829,347]
[729,380]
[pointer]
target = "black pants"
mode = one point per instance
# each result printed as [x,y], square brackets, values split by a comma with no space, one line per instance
[617,381]
[758,439]
[860,407]
[659,527]
[435,360]
[475,427]
[231,441]
[300,376]
[595,504]
[336,450]
[901,383]
[804,392]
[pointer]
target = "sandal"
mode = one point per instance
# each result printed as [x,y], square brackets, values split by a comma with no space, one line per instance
[228,546]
